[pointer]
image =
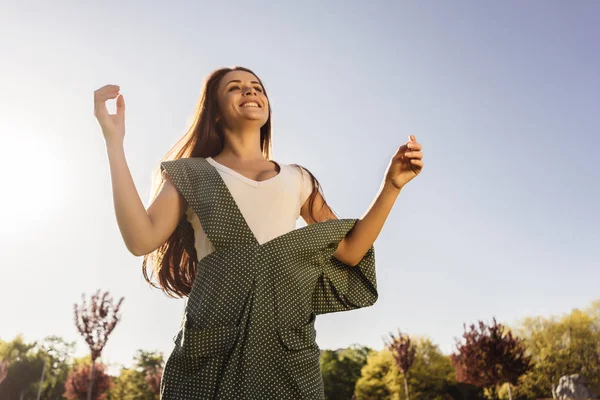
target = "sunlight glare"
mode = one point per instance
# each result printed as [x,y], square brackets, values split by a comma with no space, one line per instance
[34,179]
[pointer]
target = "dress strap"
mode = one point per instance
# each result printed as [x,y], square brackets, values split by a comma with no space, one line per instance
[209,197]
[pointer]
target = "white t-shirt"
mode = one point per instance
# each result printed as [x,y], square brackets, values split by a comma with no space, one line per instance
[271,208]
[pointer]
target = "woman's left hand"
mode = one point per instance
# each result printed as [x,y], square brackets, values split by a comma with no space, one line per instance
[406,164]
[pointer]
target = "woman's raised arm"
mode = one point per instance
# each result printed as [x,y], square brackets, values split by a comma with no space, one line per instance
[142,230]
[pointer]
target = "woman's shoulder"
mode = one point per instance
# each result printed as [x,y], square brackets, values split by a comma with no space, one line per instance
[298,171]
[302,176]
[184,160]
[183,166]
[297,167]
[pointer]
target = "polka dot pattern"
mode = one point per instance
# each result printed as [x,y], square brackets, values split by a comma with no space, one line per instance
[248,330]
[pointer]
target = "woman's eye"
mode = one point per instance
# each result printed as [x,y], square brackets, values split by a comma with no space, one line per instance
[258,88]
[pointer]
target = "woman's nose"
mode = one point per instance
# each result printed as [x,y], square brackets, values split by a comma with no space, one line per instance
[250,90]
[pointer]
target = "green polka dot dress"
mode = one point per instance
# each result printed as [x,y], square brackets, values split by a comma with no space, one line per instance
[248,330]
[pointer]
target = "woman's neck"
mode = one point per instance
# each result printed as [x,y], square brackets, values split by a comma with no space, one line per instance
[242,146]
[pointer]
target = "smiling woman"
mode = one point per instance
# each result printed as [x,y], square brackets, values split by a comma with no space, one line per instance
[37,188]
[219,231]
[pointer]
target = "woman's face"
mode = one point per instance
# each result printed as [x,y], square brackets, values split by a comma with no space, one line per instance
[241,99]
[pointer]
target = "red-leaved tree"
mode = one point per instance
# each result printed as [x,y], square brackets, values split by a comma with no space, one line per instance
[490,356]
[78,382]
[404,355]
[95,322]
[153,377]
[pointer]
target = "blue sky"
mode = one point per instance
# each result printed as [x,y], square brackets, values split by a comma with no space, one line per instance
[504,96]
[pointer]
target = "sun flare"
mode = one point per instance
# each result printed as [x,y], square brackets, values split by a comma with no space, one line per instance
[33,184]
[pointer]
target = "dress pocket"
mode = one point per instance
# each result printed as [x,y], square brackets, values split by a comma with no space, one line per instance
[199,360]
[302,356]
[299,337]
[208,342]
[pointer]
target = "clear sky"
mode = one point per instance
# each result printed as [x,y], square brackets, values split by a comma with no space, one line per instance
[504,96]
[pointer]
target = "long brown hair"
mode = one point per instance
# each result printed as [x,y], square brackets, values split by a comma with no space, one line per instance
[173,266]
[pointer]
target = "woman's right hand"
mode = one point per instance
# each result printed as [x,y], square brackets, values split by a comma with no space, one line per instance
[113,125]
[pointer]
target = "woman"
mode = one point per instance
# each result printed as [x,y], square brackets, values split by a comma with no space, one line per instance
[221,230]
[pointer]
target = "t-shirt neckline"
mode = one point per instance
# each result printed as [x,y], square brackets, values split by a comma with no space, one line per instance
[241,177]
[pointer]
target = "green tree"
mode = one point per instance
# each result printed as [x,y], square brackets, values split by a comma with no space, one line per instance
[379,377]
[404,356]
[145,360]
[431,374]
[58,355]
[25,365]
[341,369]
[130,385]
[142,381]
[561,346]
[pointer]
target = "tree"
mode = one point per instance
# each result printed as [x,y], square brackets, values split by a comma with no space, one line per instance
[489,357]
[78,382]
[142,382]
[561,346]
[129,385]
[431,375]
[378,377]
[151,365]
[153,379]
[95,323]
[341,369]
[25,365]
[404,355]
[3,370]
[58,355]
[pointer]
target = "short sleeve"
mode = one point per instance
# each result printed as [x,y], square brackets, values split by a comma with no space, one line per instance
[342,287]
[177,172]
[305,186]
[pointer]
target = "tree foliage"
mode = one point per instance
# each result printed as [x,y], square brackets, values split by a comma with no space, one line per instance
[431,374]
[490,356]
[25,364]
[341,369]
[78,381]
[95,323]
[58,355]
[404,355]
[142,381]
[561,346]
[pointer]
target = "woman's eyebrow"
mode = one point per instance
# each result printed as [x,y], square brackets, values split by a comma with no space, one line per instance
[238,81]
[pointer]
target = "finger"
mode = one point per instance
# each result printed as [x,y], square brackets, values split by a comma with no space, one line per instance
[400,151]
[103,96]
[107,88]
[100,97]
[100,102]
[120,105]
[417,162]
[106,92]
[100,108]
[414,154]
